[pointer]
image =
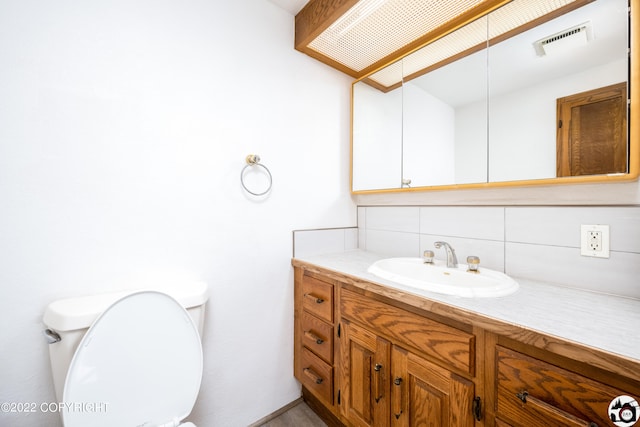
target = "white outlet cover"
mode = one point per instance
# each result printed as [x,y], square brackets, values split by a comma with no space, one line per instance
[585,250]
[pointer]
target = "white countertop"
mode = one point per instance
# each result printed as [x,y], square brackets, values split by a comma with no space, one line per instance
[606,322]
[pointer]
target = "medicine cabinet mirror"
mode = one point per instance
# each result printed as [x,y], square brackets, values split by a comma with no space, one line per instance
[527,94]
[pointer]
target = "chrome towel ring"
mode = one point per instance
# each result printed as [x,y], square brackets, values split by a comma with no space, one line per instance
[254,160]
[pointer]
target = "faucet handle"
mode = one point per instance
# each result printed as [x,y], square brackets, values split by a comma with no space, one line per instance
[428,256]
[473,262]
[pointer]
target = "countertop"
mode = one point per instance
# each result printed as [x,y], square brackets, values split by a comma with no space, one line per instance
[605,322]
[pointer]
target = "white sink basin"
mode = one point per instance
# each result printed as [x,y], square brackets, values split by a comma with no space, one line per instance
[413,272]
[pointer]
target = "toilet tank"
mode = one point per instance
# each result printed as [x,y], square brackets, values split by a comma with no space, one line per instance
[70,318]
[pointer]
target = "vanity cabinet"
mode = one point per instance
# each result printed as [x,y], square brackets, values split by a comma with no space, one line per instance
[398,368]
[370,356]
[314,335]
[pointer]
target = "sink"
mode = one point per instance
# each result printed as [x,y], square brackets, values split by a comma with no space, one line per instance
[413,272]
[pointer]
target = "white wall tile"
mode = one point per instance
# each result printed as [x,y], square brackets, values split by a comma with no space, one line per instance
[560,226]
[542,225]
[350,238]
[393,243]
[472,222]
[401,218]
[555,264]
[315,242]
[362,217]
[539,243]
[490,252]
[362,227]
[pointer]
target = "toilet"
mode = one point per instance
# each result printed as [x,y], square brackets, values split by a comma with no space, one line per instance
[131,358]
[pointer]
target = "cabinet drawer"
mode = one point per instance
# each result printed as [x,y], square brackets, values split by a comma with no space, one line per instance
[535,393]
[316,375]
[317,336]
[317,298]
[425,336]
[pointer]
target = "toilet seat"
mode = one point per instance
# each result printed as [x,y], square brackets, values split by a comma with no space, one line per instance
[139,364]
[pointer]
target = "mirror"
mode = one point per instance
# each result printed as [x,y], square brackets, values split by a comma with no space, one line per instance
[487,106]
[377,133]
[445,110]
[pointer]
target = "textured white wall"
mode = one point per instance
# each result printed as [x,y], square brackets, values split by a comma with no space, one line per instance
[123,130]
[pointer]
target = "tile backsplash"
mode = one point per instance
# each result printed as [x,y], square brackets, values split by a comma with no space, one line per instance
[539,243]
[327,240]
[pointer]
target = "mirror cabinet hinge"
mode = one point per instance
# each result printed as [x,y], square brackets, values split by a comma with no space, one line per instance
[559,124]
[339,330]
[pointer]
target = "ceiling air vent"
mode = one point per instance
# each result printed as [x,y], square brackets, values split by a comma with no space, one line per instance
[564,40]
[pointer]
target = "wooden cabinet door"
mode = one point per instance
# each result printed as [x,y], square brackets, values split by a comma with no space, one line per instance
[365,369]
[592,132]
[424,394]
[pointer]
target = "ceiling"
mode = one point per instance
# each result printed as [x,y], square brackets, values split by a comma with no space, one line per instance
[291,6]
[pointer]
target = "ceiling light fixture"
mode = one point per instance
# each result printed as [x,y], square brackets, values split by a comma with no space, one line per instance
[371,32]
[359,12]
[509,19]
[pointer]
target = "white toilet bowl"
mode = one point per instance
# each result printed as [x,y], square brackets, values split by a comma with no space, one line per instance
[139,364]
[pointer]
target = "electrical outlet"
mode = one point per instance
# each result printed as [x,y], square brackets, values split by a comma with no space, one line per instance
[594,241]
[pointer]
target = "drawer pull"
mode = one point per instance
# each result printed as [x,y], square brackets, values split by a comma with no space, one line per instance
[378,388]
[477,408]
[315,378]
[552,411]
[523,396]
[314,298]
[397,398]
[313,337]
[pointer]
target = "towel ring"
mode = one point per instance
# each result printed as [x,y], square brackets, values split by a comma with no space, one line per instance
[254,160]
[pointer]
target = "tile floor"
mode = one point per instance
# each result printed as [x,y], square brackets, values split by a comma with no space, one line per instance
[298,416]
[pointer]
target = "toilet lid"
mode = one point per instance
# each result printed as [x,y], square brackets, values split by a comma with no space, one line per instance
[139,364]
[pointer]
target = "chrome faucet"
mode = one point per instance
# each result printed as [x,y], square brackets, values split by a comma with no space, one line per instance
[452,260]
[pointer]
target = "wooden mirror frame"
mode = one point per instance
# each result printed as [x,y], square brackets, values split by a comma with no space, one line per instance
[633,137]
